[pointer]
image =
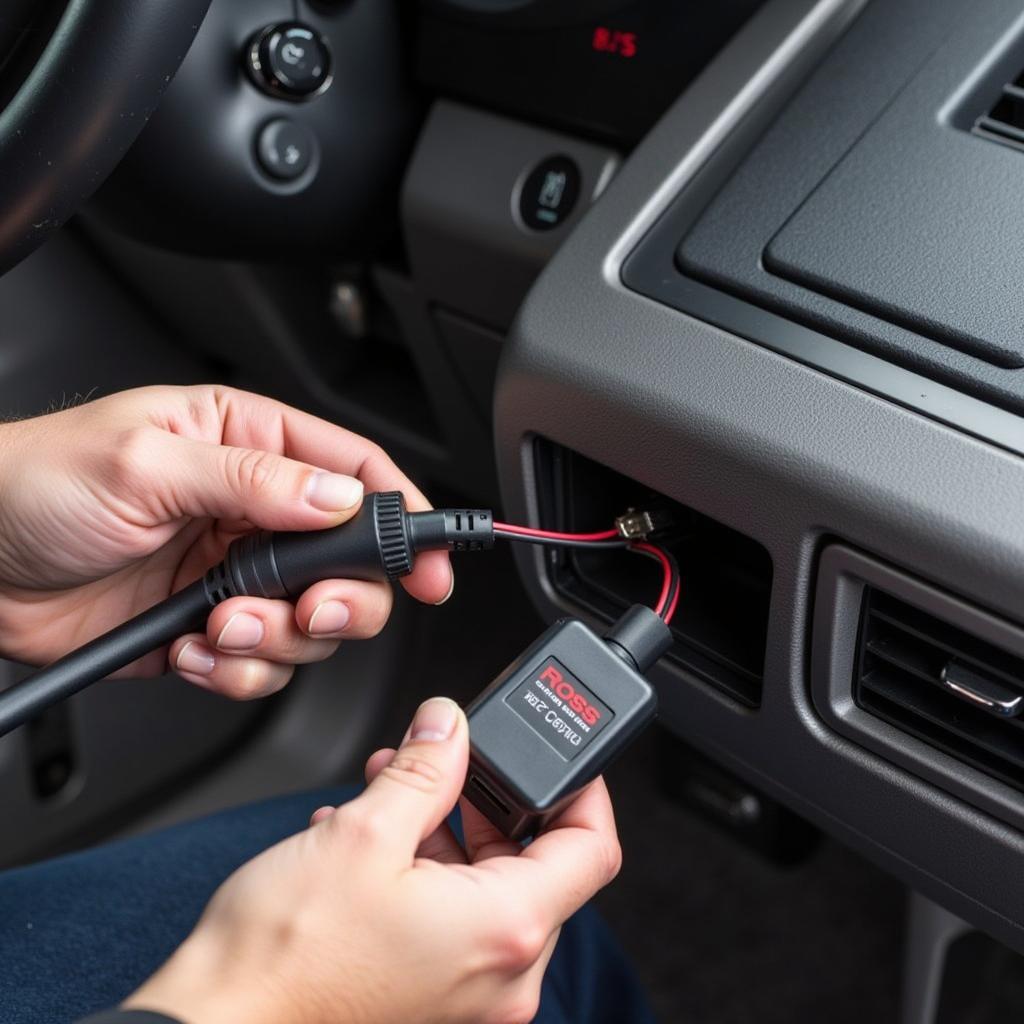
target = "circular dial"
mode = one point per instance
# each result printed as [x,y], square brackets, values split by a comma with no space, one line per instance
[289,60]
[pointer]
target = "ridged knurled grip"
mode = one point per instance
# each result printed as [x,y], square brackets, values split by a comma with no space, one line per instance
[393,534]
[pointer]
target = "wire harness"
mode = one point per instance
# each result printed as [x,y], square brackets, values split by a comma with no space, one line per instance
[380,543]
[668,599]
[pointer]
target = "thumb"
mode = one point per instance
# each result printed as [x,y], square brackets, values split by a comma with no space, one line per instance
[268,490]
[418,789]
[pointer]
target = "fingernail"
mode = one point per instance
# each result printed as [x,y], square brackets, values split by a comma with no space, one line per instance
[242,632]
[333,492]
[195,658]
[328,617]
[434,720]
[451,590]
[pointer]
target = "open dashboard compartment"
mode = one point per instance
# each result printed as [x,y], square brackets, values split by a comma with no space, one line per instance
[721,625]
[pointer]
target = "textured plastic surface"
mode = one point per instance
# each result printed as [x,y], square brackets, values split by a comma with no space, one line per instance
[870,234]
[468,246]
[782,452]
[870,212]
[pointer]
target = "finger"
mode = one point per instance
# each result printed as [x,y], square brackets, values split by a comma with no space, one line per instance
[252,421]
[432,579]
[415,792]
[184,477]
[344,609]
[574,857]
[264,629]
[321,814]
[441,845]
[377,762]
[245,420]
[236,676]
[483,839]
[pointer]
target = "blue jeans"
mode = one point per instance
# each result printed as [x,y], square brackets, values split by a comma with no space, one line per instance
[79,933]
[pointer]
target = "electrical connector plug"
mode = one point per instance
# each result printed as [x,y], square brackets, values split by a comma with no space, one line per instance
[639,524]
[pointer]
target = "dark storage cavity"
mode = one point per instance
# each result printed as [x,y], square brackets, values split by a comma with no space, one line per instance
[722,620]
[903,656]
[1004,121]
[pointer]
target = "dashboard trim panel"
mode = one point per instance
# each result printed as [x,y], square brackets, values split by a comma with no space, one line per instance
[777,449]
[650,270]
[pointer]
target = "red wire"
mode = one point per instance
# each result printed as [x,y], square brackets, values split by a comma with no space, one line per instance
[666,567]
[652,549]
[529,531]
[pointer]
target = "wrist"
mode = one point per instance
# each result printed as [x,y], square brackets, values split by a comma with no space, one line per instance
[200,985]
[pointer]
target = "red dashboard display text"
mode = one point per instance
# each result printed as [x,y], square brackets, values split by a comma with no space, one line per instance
[614,41]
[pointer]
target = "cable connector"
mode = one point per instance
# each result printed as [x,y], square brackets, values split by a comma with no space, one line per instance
[640,524]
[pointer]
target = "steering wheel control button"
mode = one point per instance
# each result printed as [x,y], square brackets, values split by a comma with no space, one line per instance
[290,61]
[549,193]
[285,149]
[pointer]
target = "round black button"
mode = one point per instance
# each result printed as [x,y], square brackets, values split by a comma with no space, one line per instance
[290,60]
[286,149]
[549,193]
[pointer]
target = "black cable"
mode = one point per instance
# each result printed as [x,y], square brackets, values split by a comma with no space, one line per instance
[380,542]
[184,612]
[554,542]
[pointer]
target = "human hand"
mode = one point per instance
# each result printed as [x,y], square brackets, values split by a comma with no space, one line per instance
[109,507]
[375,914]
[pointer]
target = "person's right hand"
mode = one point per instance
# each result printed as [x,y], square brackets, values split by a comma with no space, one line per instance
[109,507]
[376,915]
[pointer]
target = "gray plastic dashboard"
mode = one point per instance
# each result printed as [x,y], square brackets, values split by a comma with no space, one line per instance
[786,449]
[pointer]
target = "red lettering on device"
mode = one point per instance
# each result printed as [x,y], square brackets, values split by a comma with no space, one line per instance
[552,676]
[567,692]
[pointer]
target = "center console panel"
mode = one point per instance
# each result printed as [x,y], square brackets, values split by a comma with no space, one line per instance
[776,436]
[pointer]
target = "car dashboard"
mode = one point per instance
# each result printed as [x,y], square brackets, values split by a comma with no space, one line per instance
[753,264]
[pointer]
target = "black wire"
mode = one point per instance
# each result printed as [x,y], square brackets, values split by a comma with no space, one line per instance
[674,586]
[554,542]
[675,577]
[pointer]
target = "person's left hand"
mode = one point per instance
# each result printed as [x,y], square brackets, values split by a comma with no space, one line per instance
[109,507]
[376,914]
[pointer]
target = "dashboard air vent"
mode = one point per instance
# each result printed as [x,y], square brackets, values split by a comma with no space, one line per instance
[942,685]
[1004,122]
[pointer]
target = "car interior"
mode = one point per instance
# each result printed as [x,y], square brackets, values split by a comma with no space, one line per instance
[750,266]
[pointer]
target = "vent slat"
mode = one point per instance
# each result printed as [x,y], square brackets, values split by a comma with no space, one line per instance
[927,655]
[927,629]
[899,670]
[907,658]
[1005,121]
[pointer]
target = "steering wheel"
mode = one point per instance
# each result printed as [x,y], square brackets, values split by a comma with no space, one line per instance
[82,105]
